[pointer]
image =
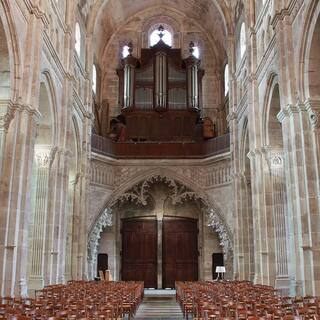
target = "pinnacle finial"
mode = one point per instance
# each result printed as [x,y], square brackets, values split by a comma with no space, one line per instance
[161,29]
[130,48]
[191,47]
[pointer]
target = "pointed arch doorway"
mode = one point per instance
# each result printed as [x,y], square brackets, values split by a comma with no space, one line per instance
[159,198]
[159,252]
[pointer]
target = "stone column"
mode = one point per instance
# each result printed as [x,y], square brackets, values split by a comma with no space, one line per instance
[56,224]
[69,233]
[293,121]
[312,148]
[279,208]
[18,159]
[38,225]
[15,191]
[260,223]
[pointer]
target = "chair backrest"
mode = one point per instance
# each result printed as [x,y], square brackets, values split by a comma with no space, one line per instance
[101,274]
[108,276]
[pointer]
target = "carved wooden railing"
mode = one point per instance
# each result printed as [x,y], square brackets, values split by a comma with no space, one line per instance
[127,150]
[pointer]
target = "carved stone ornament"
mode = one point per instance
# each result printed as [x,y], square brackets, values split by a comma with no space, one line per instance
[179,193]
[276,161]
[42,159]
[314,119]
[104,220]
[140,192]
[223,234]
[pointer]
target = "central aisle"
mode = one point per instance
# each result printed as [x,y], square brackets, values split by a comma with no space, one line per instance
[159,305]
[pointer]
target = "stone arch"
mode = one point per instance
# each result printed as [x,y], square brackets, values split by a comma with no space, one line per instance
[143,181]
[271,108]
[169,13]
[221,6]
[168,22]
[10,57]
[48,109]
[309,78]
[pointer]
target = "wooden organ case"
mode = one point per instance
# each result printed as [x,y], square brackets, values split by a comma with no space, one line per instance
[160,95]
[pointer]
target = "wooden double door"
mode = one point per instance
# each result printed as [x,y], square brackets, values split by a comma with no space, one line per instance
[166,249]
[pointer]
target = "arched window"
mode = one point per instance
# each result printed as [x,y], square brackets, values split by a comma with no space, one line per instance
[242,40]
[94,79]
[226,80]
[196,52]
[164,34]
[77,44]
[125,51]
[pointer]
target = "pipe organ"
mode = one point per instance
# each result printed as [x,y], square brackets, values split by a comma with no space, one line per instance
[160,94]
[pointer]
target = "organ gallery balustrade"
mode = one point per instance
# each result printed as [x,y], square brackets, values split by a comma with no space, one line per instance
[153,149]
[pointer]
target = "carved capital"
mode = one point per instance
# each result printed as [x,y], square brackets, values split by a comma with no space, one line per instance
[43,156]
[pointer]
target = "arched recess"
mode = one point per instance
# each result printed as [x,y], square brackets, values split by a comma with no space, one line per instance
[309,78]
[221,6]
[9,54]
[276,191]
[5,80]
[44,150]
[137,191]
[9,74]
[246,227]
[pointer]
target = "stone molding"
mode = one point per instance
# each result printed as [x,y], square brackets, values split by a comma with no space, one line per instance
[104,220]
[223,234]
[139,194]
[6,113]
[313,108]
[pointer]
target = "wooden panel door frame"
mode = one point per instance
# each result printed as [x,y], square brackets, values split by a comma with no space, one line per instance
[164,262]
[124,269]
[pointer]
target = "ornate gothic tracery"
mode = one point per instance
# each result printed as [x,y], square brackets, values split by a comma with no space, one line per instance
[179,193]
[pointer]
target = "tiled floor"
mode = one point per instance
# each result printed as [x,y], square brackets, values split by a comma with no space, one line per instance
[159,305]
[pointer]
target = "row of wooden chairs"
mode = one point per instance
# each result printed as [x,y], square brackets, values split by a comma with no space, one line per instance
[242,300]
[77,300]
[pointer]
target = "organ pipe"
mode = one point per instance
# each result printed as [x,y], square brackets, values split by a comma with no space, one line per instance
[129,74]
[161,80]
[193,86]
